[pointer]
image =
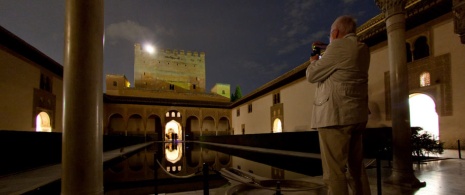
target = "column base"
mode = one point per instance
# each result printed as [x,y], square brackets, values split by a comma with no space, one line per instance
[404,179]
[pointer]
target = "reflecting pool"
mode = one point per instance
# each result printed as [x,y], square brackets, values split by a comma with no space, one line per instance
[179,167]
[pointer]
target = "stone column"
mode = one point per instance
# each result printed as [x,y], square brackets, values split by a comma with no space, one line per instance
[82,166]
[402,171]
[459,18]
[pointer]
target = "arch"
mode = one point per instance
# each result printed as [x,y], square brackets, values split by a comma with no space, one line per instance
[43,122]
[135,162]
[223,125]
[135,125]
[173,152]
[208,156]
[193,156]
[154,127]
[116,125]
[277,126]
[421,48]
[224,158]
[173,131]
[208,126]
[423,113]
[192,127]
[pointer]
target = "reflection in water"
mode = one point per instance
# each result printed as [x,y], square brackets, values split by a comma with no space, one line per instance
[173,151]
[169,167]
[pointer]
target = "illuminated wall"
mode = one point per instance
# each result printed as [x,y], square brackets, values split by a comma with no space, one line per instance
[222,89]
[27,89]
[169,70]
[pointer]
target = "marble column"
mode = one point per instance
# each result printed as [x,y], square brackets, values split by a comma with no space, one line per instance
[402,171]
[459,18]
[82,166]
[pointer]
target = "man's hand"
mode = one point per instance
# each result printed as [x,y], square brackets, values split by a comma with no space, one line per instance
[314,58]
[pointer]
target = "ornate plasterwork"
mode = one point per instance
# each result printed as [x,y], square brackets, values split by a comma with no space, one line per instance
[459,18]
[413,9]
[391,7]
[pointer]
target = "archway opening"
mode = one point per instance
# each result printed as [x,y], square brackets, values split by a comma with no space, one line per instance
[173,131]
[423,114]
[43,122]
[277,126]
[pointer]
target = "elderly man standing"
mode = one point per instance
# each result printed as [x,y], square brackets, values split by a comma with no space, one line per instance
[340,110]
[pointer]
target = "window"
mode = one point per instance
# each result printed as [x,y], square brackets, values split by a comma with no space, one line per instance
[45,83]
[115,83]
[171,87]
[238,112]
[421,48]
[222,92]
[250,108]
[425,79]
[276,98]
[194,86]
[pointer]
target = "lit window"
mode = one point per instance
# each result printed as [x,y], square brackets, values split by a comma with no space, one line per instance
[425,79]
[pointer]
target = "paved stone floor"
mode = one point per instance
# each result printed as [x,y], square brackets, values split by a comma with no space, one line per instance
[443,176]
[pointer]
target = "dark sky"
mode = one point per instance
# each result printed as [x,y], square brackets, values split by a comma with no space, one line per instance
[247,42]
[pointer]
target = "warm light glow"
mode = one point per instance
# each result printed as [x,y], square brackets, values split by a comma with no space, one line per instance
[423,114]
[43,123]
[173,152]
[277,126]
[149,48]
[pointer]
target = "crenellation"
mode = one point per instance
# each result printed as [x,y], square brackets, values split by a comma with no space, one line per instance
[170,70]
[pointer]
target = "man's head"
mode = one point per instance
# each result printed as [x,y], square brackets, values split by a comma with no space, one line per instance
[342,26]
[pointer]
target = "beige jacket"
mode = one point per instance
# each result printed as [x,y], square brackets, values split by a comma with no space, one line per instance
[341,97]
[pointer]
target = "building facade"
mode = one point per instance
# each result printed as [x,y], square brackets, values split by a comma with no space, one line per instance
[435,69]
[31,85]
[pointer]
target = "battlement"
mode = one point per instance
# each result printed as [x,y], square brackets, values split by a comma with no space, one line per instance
[169,69]
[138,46]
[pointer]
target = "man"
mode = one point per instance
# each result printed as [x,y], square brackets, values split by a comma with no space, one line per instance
[340,110]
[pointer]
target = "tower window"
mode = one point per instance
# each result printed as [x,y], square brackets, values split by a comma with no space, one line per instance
[250,108]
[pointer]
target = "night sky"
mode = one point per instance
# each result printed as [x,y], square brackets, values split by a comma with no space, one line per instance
[247,42]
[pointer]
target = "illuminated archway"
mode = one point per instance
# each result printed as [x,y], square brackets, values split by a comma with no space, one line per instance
[277,126]
[173,131]
[423,114]
[43,122]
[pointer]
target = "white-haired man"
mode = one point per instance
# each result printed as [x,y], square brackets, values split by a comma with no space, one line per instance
[340,109]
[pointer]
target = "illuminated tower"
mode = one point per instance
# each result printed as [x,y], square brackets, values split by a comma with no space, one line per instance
[169,70]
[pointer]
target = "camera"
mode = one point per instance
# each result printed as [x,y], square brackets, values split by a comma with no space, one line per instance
[318,49]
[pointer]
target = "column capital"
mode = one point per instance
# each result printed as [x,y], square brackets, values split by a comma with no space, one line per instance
[391,7]
[458,8]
